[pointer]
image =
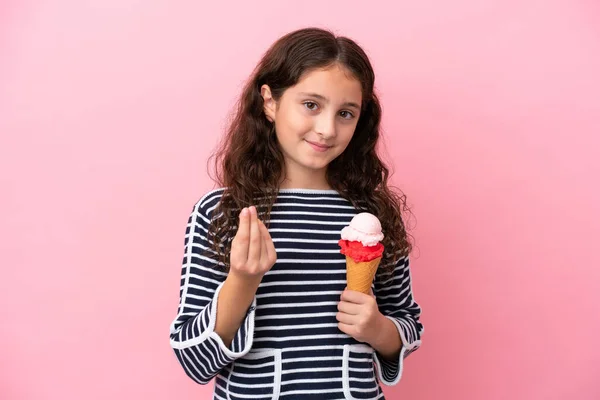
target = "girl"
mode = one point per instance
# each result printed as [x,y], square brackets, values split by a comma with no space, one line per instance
[263,304]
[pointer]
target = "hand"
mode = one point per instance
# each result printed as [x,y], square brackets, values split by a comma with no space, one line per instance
[359,316]
[252,250]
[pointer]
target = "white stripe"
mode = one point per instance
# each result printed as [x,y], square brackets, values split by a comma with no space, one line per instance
[307,214]
[309,381]
[295,315]
[311,359]
[295,230]
[294,240]
[335,206]
[306,272]
[310,261]
[284,327]
[311,251]
[255,375]
[293,371]
[300,348]
[313,391]
[296,283]
[305,337]
[193,296]
[241,364]
[288,294]
[294,305]
[252,385]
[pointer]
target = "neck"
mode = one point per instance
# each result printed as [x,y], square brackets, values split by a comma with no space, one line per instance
[305,179]
[287,184]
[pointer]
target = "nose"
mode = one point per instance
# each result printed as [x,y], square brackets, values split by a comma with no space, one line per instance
[325,126]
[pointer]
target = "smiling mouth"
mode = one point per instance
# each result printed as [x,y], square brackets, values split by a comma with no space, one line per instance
[318,146]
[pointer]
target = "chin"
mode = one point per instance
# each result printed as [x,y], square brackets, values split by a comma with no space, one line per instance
[315,166]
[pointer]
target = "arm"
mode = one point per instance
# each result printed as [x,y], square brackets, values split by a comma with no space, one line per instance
[234,299]
[397,305]
[252,255]
[200,350]
[388,343]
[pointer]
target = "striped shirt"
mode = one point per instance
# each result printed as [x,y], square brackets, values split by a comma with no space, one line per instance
[289,345]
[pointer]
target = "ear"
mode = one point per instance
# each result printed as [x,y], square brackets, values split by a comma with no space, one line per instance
[269,103]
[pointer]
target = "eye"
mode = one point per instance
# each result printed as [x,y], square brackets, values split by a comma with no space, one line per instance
[311,105]
[346,114]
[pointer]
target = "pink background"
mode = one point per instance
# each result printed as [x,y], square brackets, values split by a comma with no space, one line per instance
[109,109]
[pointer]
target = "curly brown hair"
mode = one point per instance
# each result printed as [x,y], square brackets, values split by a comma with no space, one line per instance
[249,163]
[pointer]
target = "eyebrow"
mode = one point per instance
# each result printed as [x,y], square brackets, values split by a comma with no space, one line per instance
[326,100]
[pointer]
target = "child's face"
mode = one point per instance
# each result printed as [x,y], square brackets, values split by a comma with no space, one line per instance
[316,118]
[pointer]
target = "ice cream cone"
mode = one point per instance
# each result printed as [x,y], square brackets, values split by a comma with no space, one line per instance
[360,275]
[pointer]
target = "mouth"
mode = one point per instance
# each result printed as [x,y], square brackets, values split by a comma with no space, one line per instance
[317,146]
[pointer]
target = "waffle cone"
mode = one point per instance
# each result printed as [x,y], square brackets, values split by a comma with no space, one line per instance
[360,275]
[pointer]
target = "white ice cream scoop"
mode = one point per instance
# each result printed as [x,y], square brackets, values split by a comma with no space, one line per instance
[364,228]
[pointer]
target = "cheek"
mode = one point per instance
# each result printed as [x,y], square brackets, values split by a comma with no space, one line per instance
[346,134]
[296,123]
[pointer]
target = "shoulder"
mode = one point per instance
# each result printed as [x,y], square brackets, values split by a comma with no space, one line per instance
[208,202]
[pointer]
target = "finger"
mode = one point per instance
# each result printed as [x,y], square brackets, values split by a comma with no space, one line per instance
[255,239]
[346,318]
[349,308]
[264,253]
[352,296]
[347,329]
[242,237]
[271,253]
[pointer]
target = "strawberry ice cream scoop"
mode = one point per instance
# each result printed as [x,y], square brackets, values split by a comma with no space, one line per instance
[358,252]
